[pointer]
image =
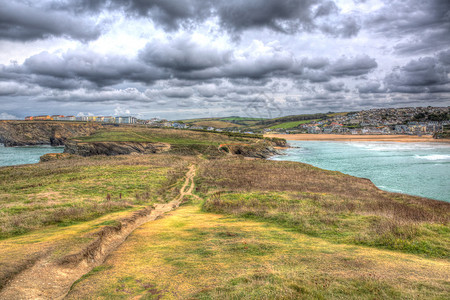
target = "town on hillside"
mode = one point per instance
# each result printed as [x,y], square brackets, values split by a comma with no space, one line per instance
[383,121]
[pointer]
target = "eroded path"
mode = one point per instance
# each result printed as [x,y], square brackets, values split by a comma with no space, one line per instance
[48,279]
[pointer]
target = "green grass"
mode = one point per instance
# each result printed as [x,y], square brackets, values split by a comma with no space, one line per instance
[293,124]
[171,136]
[318,203]
[51,193]
[195,255]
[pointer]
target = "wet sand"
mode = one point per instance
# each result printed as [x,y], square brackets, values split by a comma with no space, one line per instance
[360,138]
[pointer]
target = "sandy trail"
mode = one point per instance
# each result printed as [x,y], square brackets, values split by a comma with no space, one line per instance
[50,280]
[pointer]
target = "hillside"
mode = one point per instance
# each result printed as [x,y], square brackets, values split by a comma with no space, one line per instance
[196,222]
[26,133]
[132,139]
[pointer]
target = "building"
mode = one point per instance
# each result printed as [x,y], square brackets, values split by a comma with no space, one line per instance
[57,117]
[125,120]
[42,118]
[68,118]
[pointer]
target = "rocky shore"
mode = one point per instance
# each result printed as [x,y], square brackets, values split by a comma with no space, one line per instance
[114,148]
[21,133]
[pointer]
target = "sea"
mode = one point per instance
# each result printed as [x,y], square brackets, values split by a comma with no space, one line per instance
[10,156]
[421,169]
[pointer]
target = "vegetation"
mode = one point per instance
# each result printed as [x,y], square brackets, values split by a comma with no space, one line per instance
[253,229]
[171,136]
[198,255]
[59,193]
[318,203]
[293,124]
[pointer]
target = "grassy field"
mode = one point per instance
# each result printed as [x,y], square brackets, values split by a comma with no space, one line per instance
[171,136]
[288,125]
[63,192]
[196,255]
[257,229]
[330,205]
[216,124]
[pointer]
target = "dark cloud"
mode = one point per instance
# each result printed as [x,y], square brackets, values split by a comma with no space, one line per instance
[334,86]
[352,66]
[183,55]
[370,87]
[22,22]
[80,68]
[426,24]
[235,16]
[419,76]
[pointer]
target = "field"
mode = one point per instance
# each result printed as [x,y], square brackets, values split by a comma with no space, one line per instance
[247,229]
[293,124]
[196,255]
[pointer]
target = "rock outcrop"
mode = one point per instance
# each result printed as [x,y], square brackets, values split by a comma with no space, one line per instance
[113,148]
[28,133]
[263,149]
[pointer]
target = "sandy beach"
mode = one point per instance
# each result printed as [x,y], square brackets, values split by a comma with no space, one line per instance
[360,138]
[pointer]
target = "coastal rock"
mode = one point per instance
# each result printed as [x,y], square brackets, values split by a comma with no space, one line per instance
[258,150]
[26,133]
[114,148]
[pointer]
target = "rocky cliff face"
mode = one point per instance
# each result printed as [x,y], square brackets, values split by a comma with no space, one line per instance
[114,148]
[264,149]
[21,133]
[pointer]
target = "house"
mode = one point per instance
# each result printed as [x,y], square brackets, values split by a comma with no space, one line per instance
[68,118]
[42,118]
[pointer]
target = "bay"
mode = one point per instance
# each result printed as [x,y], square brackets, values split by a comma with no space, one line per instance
[421,169]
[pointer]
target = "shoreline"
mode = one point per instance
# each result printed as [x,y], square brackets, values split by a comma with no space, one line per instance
[358,138]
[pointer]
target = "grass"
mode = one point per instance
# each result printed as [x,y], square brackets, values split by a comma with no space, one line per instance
[215,124]
[326,204]
[35,196]
[264,229]
[196,255]
[171,136]
[293,124]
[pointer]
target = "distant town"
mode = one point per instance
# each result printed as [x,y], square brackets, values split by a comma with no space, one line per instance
[409,120]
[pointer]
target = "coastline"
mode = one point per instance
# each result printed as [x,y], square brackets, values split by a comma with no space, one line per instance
[359,138]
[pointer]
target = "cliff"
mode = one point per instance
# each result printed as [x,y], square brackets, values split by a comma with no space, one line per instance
[263,149]
[21,133]
[114,148]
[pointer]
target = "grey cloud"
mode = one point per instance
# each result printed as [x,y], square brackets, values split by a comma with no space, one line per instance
[426,23]
[80,68]
[178,92]
[184,55]
[370,87]
[444,57]
[22,22]
[287,16]
[315,63]
[353,66]
[334,86]
[419,76]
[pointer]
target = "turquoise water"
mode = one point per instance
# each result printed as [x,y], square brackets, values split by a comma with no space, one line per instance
[24,155]
[421,169]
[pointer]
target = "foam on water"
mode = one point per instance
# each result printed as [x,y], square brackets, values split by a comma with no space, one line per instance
[421,169]
[434,157]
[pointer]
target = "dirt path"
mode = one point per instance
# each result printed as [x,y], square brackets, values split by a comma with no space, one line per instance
[50,280]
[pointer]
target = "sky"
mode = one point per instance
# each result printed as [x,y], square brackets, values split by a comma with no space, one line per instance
[179,59]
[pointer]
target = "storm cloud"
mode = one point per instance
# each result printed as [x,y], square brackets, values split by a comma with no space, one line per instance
[212,57]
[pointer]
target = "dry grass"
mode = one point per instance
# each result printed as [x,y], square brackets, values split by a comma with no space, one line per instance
[329,204]
[61,192]
[195,255]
